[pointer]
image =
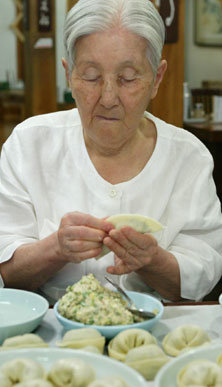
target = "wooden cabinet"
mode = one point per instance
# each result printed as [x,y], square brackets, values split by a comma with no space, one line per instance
[39,53]
[168,104]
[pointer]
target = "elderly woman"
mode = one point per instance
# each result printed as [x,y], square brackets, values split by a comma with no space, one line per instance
[63,173]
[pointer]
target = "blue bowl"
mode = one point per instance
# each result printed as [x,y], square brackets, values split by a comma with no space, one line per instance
[20,312]
[141,300]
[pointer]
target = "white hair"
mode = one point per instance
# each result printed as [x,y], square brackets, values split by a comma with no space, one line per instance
[137,16]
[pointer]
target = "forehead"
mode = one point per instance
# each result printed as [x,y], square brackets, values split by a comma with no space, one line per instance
[114,45]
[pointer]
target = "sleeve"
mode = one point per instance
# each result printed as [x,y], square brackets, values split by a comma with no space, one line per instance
[195,227]
[18,223]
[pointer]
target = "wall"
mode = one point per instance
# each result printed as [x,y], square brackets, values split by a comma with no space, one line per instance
[7,41]
[201,62]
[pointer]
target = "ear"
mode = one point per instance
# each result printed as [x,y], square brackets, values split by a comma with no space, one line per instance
[66,67]
[159,77]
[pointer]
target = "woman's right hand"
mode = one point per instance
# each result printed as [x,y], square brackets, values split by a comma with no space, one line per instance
[80,236]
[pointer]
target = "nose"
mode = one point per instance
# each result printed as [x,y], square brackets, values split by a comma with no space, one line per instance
[109,94]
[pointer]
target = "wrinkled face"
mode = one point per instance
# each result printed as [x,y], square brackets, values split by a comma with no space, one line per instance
[112,83]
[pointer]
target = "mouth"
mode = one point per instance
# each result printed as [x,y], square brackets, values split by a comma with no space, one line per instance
[108,118]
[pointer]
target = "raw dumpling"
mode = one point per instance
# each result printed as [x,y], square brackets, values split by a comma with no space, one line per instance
[183,338]
[120,345]
[200,373]
[28,340]
[147,360]
[80,338]
[71,372]
[4,380]
[219,360]
[22,369]
[139,223]
[91,348]
[35,383]
[109,381]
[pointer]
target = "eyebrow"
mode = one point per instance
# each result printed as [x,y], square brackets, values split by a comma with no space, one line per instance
[123,64]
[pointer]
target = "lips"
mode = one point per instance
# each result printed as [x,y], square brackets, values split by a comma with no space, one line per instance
[108,118]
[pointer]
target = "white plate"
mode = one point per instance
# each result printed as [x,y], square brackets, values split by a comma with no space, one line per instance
[20,312]
[166,377]
[103,365]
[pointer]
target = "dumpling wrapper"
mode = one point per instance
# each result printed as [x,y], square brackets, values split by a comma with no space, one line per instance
[109,381]
[147,360]
[28,340]
[23,369]
[71,372]
[83,337]
[4,380]
[139,223]
[35,383]
[219,360]
[200,373]
[184,338]
[120,345]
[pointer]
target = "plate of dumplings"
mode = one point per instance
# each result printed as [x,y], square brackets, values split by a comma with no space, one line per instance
[50,367]
[200,366]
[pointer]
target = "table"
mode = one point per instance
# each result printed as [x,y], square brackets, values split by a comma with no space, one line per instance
[207,315]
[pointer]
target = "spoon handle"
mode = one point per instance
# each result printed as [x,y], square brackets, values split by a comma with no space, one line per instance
[120,290]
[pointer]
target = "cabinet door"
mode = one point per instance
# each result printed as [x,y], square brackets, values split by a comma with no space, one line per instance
[168,104]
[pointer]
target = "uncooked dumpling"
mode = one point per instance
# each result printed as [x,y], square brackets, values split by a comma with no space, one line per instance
[109,381]
[4,380]
[91,348]
[147,360]
[183,338]
[120,345]
[35,383]
[71,372]
[139,223]
[80,338]
[200,373]
[28,340]
[23,369]
[219,360]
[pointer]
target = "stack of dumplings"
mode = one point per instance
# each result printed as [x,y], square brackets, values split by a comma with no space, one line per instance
[184,338]
[71,372]
[147,360]
[28,340]
[202,373]
[22,370]
[128,339]
[83,338]
[138,349]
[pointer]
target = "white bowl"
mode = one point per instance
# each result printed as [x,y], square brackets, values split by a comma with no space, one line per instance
[20,312]
[220,299]
[167,375]
[103,365]
[141,300]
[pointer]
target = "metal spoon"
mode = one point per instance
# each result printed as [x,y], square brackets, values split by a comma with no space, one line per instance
[132,307]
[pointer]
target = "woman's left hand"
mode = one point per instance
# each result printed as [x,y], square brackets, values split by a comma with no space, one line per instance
[132,250]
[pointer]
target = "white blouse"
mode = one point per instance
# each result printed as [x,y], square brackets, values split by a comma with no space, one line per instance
[46,172]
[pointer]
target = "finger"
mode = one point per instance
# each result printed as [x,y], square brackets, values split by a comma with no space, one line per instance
[79,219]
[81,246]
[128,237]
[118,270]
[83,233]
[82,256]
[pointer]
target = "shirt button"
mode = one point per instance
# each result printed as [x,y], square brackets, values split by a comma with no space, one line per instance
[113,193]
